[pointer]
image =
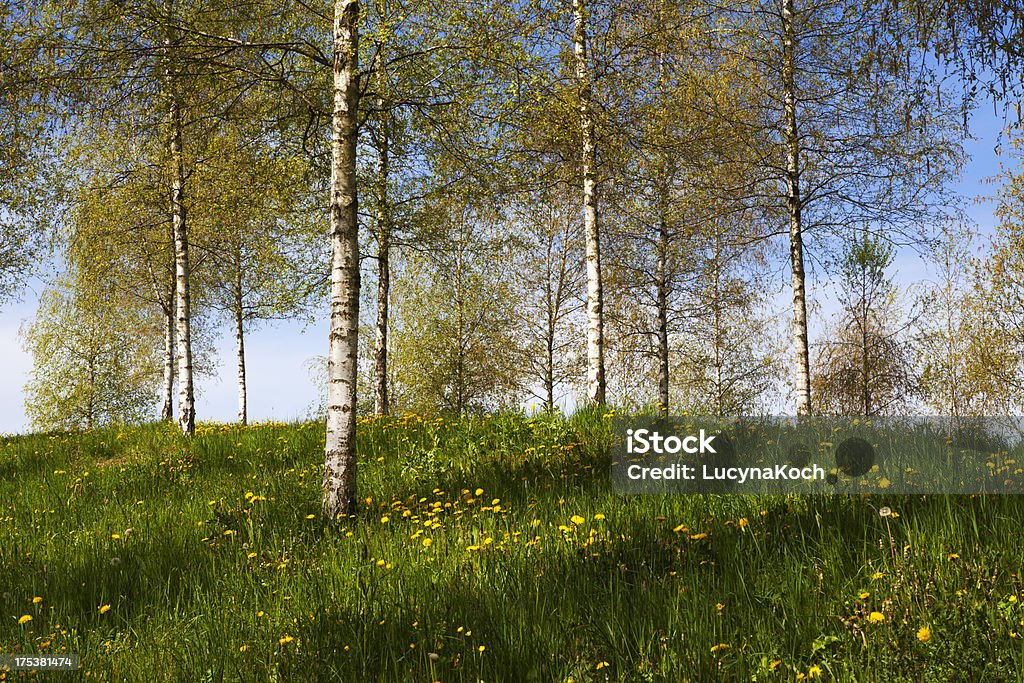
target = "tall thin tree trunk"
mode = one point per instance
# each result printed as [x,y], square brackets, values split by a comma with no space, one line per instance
[167,409]
[596,384]
[90,414]
[661,280]
[794,208]
[339,483]
[182,275]
[243,406]
[380,352]
[551,301]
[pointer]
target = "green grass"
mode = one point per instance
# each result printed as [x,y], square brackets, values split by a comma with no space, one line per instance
[505,556]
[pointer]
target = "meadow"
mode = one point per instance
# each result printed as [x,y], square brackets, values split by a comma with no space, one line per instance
[488,548]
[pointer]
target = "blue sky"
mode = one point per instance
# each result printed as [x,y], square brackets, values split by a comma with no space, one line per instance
[280,387]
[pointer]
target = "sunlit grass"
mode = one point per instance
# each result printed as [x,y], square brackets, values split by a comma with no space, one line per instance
[489,548]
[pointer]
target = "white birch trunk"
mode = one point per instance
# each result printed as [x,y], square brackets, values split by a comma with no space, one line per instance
[182,276]
[380,353]
[794,208]
[596,386]
[339,482]
[239,313]
[167,409]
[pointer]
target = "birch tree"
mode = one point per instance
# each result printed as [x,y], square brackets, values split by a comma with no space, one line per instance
[596,384]
[861,132]
[95,358]
[339,482]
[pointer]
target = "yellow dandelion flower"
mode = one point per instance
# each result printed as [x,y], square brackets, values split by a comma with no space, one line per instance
[952,556]
[601,665]
[427,542]
[36,600]
[285,640]
[103,609]
[924,634]
[876,618]
[310,516]
[481,648]
[877,575]
[243,648]
[863,595]
[814,671]
[385,519]
[742,522]
[720,646]
[24,619]
[479,492]
[599,516]
[577,520]
[697,537]
[681,529]
[719,606]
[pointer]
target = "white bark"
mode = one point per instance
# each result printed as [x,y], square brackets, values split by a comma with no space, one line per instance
[794,207]
[340,453]
[596,386]
[380,354]
[182,276]
[239,314]
[167,409]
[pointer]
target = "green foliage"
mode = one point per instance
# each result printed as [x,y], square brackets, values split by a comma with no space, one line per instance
[865,366]
[95,359]
[456,349]
[534,570]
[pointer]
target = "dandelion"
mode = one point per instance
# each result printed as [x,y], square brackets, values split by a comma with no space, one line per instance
[877,575]
[24,619]
[481,648]
[115,537]
[720,646]
[924,634]
[876,618]
[427,542]
[433,656]
[719,607]
[742,522]
[36,600]
[385,519]
[243,648]
[884,511]
[115,562]
[814,671]
[697,537]
[681,529]
[310,516]
[599,516]
[285,640]
[863,595]
[601,665]
[478,492]
[577,520]
[103,609]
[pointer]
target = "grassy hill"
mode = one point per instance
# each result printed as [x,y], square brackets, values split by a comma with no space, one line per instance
[487,548]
